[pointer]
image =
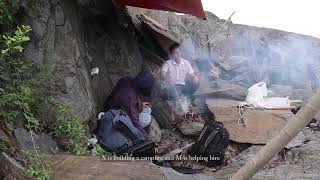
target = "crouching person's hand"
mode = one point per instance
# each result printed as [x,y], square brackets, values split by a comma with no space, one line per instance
[146,104]
[195,79]
[156,150]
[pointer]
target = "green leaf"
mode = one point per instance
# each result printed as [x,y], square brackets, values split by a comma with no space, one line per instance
[25,39]
[19,48]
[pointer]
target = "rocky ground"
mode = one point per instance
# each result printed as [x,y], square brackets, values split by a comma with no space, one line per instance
[297,163]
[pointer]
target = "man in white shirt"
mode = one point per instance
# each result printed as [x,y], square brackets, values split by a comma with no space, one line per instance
[176,70]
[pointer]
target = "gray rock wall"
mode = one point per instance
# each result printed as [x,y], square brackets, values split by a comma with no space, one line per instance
[76,36]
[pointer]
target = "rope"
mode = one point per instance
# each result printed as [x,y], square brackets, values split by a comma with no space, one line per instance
[35,147]
[242,120]
[242,112]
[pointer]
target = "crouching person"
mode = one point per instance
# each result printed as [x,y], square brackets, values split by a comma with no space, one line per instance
[179,74]
[180,81]
[119,130]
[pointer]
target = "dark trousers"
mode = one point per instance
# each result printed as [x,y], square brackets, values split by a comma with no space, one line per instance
[188,89]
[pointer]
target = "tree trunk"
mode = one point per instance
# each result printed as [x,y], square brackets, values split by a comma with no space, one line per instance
[293,127]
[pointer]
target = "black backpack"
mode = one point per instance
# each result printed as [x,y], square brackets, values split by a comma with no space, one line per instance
[212,143]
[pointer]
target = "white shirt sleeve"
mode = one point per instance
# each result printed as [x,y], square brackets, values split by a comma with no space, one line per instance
[189,68]
[165,67]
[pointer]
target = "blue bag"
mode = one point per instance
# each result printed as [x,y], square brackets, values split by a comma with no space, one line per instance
[116,131]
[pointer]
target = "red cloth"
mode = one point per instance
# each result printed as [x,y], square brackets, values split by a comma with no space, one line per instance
[193,7]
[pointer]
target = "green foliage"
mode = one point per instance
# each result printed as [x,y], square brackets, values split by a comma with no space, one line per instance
[18,95]
[8,9]
[101,152]
[38,166]
[13,44]
[26,90]
[46,82]
[69,125]
[24,93]
[7,148]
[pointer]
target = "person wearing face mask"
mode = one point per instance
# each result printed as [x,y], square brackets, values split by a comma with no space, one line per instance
[176,70]
[126,96]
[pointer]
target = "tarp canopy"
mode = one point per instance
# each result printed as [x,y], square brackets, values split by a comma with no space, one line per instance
[193,7]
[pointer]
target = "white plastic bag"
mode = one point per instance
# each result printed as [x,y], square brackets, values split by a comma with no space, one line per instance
[257,93]
[257,96]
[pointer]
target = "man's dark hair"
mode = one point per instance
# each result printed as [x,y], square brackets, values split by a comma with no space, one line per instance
[173,47]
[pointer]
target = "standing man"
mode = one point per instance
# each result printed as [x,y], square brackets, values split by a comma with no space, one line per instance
[179,73]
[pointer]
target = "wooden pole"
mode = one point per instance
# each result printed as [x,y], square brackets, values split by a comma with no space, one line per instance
[210,39]
[293,127]
[177,151]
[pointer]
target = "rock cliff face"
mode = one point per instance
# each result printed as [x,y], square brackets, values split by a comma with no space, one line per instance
[73,37]
[76,36]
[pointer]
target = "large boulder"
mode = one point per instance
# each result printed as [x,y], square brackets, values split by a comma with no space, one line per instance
[3,136]
[86,167]
[281,90]
[11,169]
[191,128]
[163,112]
[55,42]
[303,94]
[234,62]
[258,126]
[81,167]
[155,131]
[43,142]
[75,37]
[221,89]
